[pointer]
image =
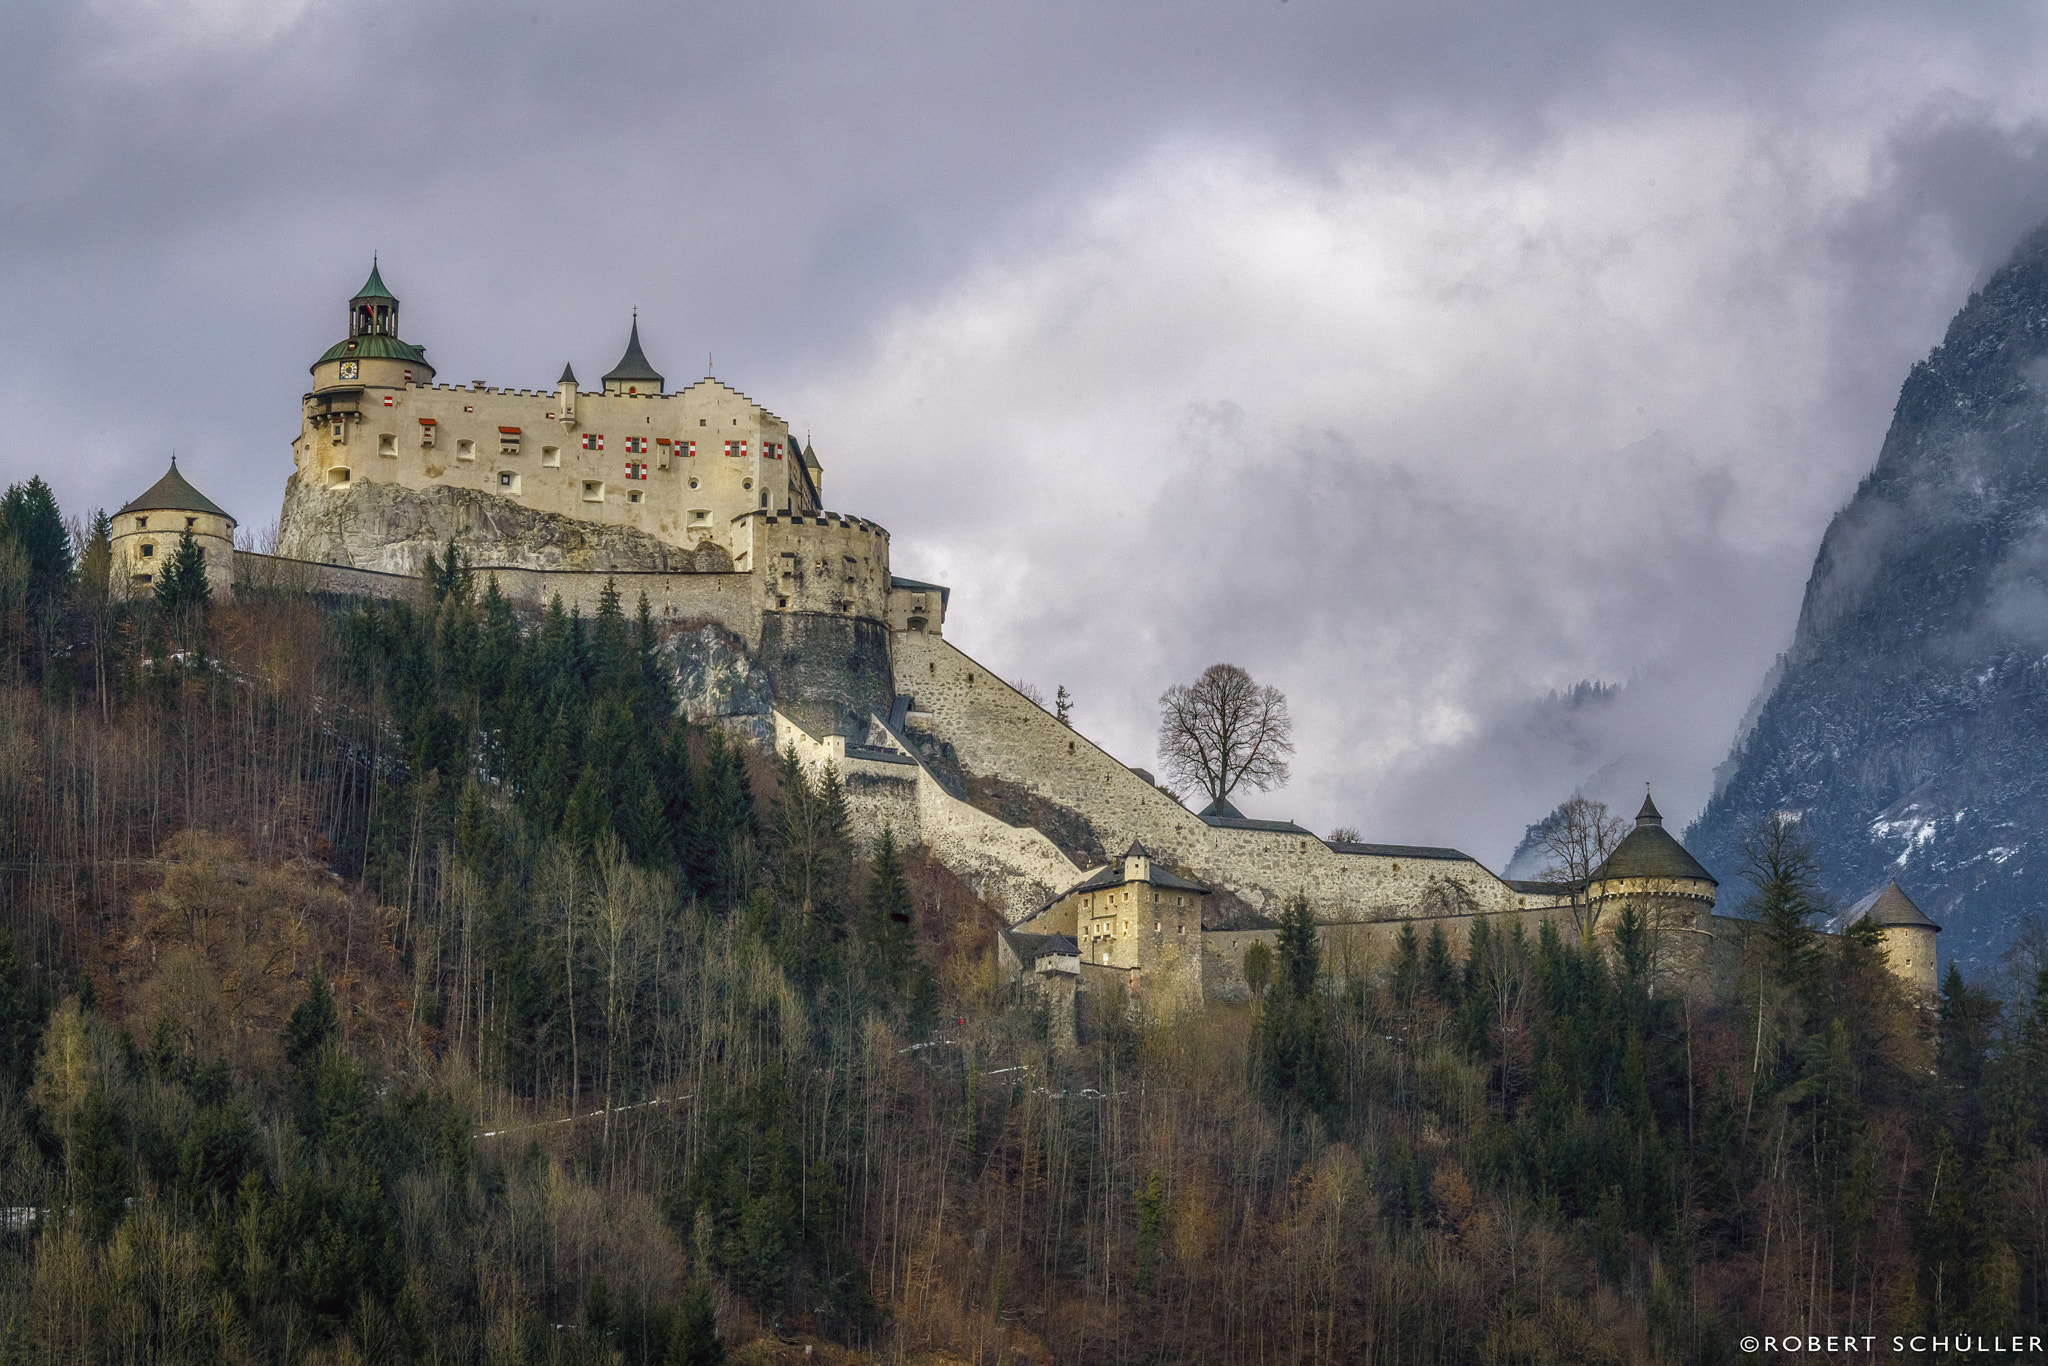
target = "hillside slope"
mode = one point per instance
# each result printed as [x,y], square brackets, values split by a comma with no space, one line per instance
[1908,721]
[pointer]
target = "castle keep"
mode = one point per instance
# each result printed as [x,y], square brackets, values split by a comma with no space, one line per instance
[785,622]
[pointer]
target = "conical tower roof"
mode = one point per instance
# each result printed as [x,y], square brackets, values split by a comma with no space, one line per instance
[1888,906]
[633,367]
[1650,850]
[568,375]
[174,493]
[373,288]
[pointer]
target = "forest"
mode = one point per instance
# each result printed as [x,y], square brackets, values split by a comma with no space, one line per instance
[408,982]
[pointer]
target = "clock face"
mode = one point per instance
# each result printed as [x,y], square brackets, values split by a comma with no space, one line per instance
[350,369]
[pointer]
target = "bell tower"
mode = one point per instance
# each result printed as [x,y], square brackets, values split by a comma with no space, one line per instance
[374,310]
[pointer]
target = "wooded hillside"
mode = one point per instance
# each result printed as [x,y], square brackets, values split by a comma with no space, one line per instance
[404,983]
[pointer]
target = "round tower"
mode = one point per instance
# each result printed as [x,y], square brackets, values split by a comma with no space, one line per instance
[148,529]
[1653,871]
[349,376]
[1904,931]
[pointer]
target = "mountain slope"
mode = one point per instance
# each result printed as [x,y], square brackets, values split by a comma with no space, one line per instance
[1908,723]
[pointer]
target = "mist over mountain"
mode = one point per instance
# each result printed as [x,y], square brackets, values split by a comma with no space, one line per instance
[1908,722]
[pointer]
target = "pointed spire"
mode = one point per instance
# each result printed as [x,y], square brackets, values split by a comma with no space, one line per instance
[1649,815]
[373,288]
[633,367]
[568,375]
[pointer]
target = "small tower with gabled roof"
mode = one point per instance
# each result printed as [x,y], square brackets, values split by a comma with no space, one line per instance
[148,527]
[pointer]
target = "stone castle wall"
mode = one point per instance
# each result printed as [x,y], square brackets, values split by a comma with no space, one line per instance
[996,730]
[613,464]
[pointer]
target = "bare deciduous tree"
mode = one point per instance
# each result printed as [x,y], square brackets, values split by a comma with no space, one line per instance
[1223,729]
[1578,837]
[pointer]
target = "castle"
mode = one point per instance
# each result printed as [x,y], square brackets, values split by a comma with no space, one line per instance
[785,622]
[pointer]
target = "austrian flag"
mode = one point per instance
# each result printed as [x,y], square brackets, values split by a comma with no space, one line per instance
[636,469]
[593,441]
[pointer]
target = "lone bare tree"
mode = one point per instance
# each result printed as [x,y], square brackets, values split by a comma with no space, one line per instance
[1578,837]
[1223,729]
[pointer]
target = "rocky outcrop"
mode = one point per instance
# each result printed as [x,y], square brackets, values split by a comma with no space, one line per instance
[717,680]
[393,529]
[1908,722]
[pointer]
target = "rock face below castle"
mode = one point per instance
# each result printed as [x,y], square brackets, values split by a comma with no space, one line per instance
[1908,724]
[393,529]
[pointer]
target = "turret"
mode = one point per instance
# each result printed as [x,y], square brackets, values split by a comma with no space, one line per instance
[565,396]
[371,355]
[148,529]
[1904,931]
[1651,869]
[633,375]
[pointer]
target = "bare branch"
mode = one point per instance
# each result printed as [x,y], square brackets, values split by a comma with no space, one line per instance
[1224,729]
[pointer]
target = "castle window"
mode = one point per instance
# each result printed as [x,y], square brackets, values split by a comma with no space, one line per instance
[508,481]
[191,522]
[634,496]
[148,551]
[337,431]
[551,456]
[141,523]
[593,490]
[693,483]
[465,449]
[700,514]
[145,578]
[387,444]
[337,476]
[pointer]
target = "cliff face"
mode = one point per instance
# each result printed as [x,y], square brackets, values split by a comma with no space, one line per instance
[394,529]
[1908,722]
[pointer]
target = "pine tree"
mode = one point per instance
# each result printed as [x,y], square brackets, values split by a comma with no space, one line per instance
[1785,895]
[696,1341]
[96,560]
[588,817]
[29,518]
[182,592]
[891,937]
[657,682]
[314,1026]
[614,668]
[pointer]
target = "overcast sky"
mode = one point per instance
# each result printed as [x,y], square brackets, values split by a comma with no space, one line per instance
[1424,359]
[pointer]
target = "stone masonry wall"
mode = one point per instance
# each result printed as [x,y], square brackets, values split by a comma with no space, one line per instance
[996,730]
[1014,869]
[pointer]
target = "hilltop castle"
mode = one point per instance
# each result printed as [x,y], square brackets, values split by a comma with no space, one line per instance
[786,622]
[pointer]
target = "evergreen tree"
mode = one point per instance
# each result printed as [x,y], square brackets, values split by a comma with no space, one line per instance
[30,520]
[182,592]
[96,560]
[696,1341]
[657,683]
[1294,1028]
[588,817]
[614,667]
[891,937]
[314,1025]
[1440,969]
[1785,895]
[21,1017]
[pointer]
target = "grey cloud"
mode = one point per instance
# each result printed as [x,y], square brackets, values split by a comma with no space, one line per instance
[1420,508]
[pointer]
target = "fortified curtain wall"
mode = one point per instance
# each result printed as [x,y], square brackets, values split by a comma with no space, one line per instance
[997,731]
[1013,868]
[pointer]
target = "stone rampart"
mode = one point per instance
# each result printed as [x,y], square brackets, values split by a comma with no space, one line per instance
[1014,869]
[995,730]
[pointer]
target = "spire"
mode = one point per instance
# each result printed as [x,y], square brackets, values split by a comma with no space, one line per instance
[1649,815]
[568,375]
[633,372]
[373,288]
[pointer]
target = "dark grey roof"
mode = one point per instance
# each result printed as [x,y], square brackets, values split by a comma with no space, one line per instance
[1401,851]
[173,493]
[1241,823]
[1113,876]
[878,754]
[1650,850]
[1137,850]
[568,375]
[1539,888]
[811,457]
[1221,807]
[918,586]
[1886,906]
[1032,947]
[633,365]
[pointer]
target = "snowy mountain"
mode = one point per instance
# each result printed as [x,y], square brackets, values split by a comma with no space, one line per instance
[1908,722]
